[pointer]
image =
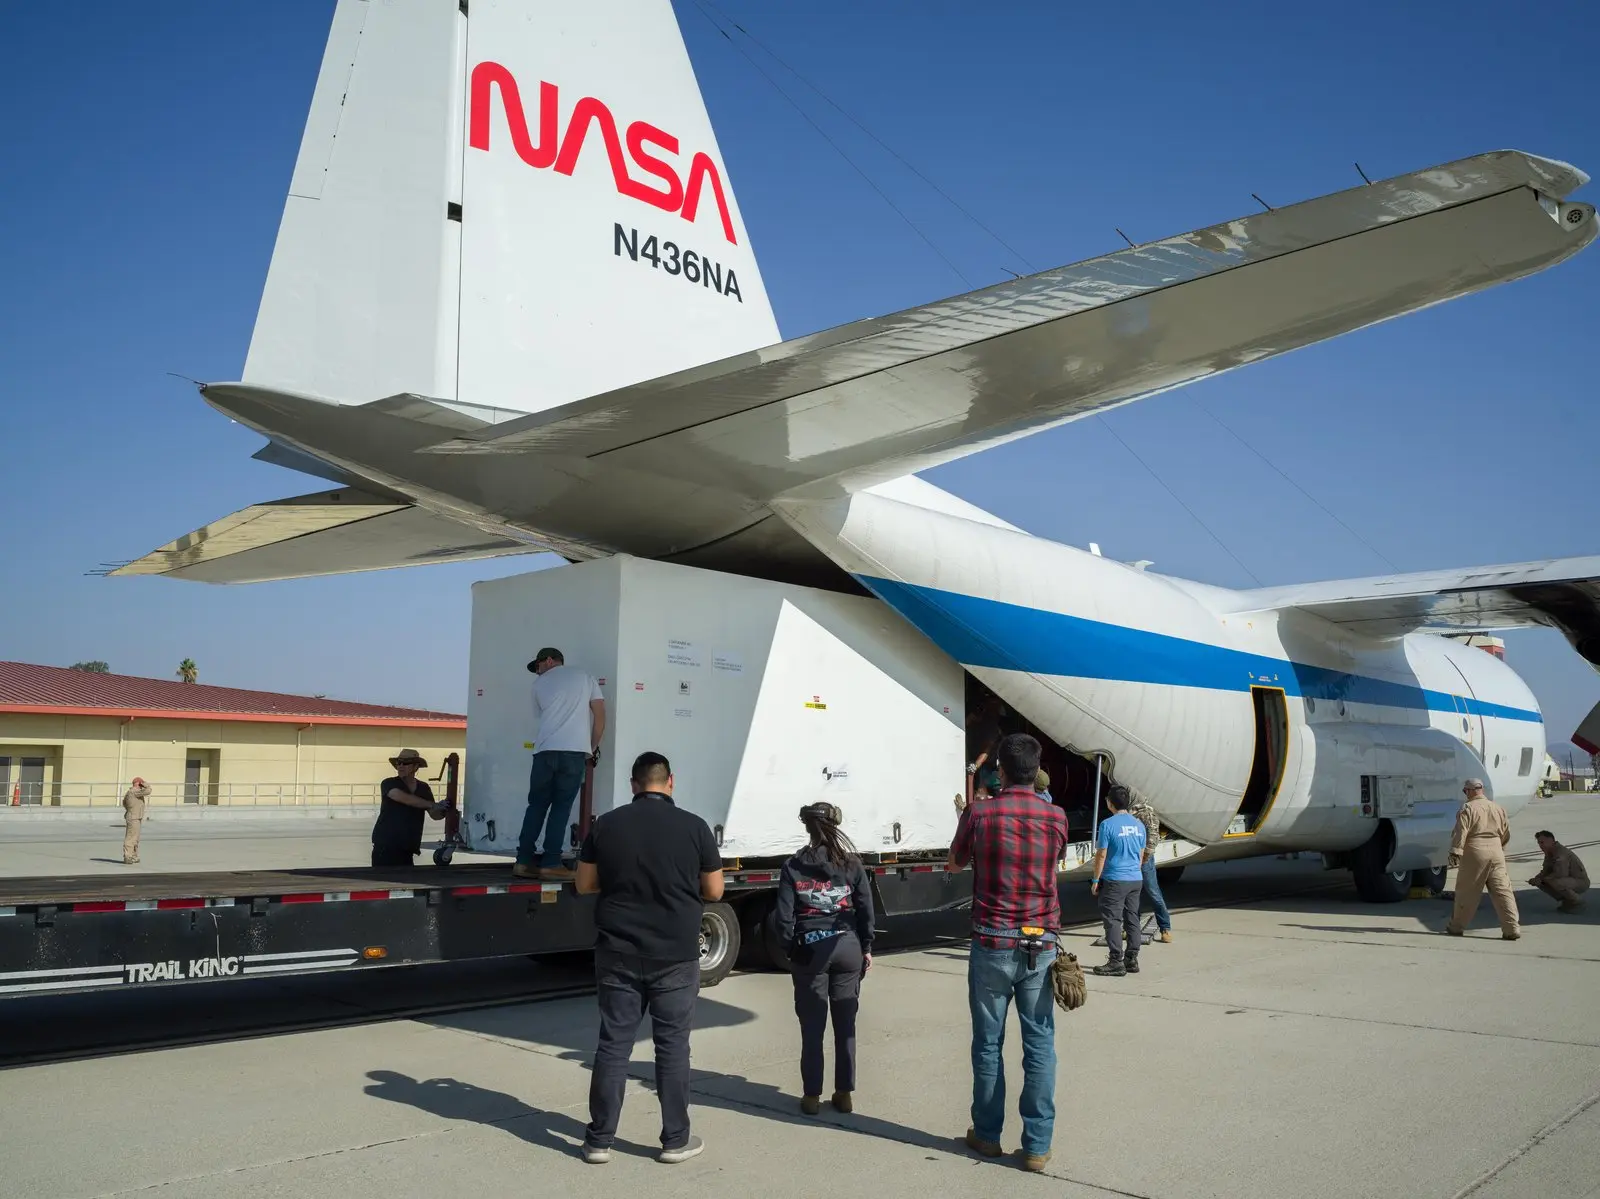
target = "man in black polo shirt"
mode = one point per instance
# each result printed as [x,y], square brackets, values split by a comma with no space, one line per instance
[653,866]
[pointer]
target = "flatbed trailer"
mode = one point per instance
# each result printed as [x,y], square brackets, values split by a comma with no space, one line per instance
[101,931]
[96,932]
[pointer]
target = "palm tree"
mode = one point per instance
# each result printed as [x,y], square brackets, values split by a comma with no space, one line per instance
[188,671]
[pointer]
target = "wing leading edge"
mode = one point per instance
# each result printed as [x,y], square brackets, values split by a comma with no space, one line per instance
[1562,593]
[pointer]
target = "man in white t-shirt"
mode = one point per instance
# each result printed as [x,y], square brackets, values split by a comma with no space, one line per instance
[571,718]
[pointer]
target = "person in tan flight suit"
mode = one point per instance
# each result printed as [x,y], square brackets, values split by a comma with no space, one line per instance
[1563,878]
[132,818]
[1478,847]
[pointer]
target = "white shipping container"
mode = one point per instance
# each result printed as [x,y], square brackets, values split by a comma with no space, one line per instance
[764,696]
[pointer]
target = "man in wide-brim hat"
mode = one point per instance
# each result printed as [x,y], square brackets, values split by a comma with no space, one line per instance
[404,800]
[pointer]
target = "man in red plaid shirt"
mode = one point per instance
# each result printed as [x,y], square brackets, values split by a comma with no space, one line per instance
[1015,842]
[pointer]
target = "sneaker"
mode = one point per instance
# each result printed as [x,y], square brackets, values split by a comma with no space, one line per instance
[524,870]
[811,1104]
[1166,936]
[1112,969]
[1036,1162]
[1130,964]
[596,1155]
[842,1103]
[982,1147]
[693,1147]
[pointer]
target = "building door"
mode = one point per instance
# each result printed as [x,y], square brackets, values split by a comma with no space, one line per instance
[191,780]
[31,780]
[5,779]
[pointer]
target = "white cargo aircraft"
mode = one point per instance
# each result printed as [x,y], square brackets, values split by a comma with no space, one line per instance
[513,307]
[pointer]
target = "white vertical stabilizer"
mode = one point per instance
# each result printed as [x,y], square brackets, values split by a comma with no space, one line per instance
[514,207]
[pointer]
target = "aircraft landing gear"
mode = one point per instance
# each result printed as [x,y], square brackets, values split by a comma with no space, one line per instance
[1369,865]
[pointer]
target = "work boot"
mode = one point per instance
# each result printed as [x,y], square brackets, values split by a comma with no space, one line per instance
[1166,936]
[524,870]
[1112,969]
[557,874]
[811,1104]
[1511,936]
[982,1147]
[842,1102]
[1130,964]
[1036,1162]
[1454,932]
[1568,905]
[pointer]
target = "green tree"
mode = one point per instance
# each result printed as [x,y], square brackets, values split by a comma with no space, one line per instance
[188,671]
[95,667]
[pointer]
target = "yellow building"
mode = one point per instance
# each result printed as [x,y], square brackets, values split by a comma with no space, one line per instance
[71,738]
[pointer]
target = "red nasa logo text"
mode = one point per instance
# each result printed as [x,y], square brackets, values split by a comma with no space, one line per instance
[674,194]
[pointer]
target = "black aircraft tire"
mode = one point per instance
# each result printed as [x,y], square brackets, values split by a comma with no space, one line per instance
[719,943]
[1374,883]
[1431,878]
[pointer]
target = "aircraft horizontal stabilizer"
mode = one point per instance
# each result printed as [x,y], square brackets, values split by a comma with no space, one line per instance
[328,532]
[881,398]
[1561,593]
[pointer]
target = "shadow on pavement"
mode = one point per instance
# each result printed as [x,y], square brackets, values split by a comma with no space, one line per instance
[452,1099]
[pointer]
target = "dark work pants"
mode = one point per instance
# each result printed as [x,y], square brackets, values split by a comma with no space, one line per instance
[827,981]
[1119,911]
[554,780]
[385,856]
[627,985]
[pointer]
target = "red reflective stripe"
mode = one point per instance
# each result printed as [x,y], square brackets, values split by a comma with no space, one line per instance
[757,878]
[369,895]
[518,888]
[164,904]
[311,898]
[470,891]
[112,905]
[920,869]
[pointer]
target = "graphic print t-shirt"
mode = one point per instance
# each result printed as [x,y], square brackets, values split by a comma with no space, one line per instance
[1123,839]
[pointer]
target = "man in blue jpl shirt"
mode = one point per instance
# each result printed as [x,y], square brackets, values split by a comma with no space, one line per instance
[1120,851]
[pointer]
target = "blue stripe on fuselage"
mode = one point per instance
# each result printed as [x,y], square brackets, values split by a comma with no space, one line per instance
[1001,636]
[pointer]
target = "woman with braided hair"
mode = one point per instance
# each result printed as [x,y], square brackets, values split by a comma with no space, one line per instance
[825,922]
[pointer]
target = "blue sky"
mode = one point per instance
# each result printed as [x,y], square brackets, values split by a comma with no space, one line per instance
[148,148]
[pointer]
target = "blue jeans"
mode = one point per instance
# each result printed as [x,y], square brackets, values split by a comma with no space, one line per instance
[994,978]
[554,780]
[1152,888]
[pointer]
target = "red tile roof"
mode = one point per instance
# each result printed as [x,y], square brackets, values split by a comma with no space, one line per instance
[55,690]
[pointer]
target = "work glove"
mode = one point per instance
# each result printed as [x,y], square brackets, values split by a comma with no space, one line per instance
[1067,981]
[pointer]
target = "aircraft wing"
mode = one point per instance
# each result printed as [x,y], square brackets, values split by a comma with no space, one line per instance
[1562,593]
[886,397]
[329,532]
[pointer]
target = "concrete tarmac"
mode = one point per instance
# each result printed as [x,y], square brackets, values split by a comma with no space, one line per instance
[168,845]
[1307,1045]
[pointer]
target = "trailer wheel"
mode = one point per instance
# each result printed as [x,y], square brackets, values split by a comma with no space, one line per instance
[1374,882]
[442,855]
[719,943]
[1168,875]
